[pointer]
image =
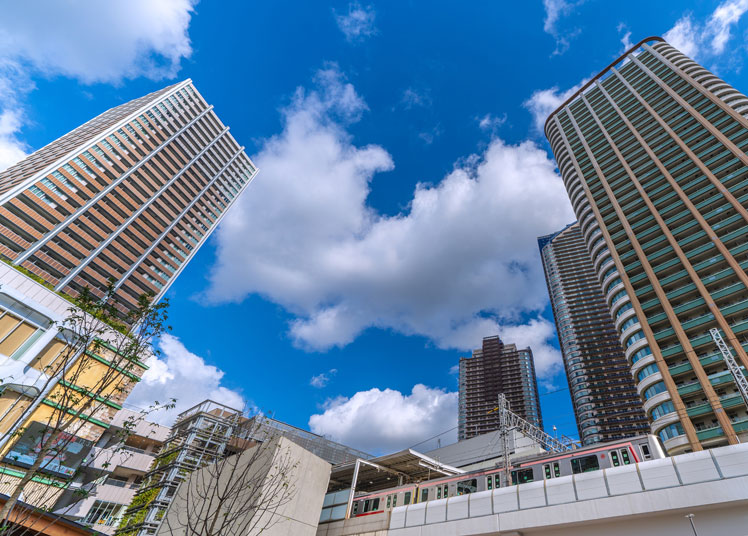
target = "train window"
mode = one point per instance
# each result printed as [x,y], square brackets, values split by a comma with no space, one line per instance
[446,490]
[355,507]
[407,498]
[366,505]
[467,486]
[584,464]
[614,458]
[394,500]
[556,470]
[645,452]
[625,456]
[375,505]
[522,476]
[424,495]
[389,501]
[547,470]
[438,492]
[489,482]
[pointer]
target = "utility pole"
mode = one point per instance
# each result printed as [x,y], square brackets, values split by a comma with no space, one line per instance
[508,421]
[504,431]
[693,527]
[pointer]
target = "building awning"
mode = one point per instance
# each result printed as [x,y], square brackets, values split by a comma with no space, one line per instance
[389,471]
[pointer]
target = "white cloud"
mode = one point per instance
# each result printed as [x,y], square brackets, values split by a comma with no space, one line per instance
[491,123]
[459,264]
[88,41]
[98,41]
[12,149]
[380,421]
[358,23]
[454,369]
[180,374]
[683,36]
[413,98]
[537,334]
[428,136]
[626,38]
[708,40]
[723,18]
[544,101]
[554,11]
[321,380]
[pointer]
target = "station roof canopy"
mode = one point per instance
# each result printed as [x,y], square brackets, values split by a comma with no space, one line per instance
[385,472]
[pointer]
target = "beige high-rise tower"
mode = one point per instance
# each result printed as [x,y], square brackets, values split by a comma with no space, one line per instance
[652,153]
[127,198]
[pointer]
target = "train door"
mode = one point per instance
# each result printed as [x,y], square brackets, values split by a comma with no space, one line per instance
[619,457]
[551,470]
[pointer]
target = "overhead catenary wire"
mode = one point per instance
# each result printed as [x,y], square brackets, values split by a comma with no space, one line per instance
[455,427]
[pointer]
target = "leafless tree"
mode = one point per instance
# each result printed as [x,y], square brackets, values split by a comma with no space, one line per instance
[244,493]
[75,388]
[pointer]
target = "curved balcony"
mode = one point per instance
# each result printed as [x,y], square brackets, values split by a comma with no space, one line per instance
[643,362]
[633,328]
[598,261]
[624,316]
[648,382]
[623,301]
[597,247]
[612,292]
[655,401]
[676,445]
[604,268]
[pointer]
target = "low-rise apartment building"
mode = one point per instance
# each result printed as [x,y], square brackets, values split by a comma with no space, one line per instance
[119,460]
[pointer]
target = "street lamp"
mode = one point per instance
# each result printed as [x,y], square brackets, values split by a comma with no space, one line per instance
[690,518]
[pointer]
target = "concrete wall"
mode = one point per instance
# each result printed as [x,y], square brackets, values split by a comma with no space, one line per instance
[297,516]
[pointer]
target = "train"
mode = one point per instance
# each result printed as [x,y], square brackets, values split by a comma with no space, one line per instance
[531,469]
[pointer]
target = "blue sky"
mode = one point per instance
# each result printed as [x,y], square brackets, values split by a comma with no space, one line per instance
[403,181]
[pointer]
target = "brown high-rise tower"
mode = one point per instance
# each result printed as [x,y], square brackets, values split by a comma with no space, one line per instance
[493,369]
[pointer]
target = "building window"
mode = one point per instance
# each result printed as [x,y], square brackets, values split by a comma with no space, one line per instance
[669,432]
[657,388]
[635,337]
[647,371]
[641,354]
[663,409]
[103,513]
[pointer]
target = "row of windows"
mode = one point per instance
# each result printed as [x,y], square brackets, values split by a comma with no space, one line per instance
[655,389]
[647,371]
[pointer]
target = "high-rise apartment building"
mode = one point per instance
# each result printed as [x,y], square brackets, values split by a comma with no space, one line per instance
[493,369]
[126,198]
[606,404]
[652,153]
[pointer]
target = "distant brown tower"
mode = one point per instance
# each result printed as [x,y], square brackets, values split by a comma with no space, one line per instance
[496,368]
